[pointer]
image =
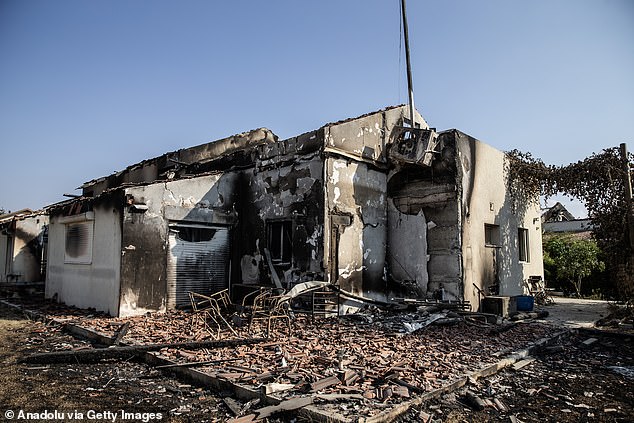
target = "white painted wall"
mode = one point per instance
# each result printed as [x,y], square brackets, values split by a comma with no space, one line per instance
[407,246]
[492,204]
[87,285]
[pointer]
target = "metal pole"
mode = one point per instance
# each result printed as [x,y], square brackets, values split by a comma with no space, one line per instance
[628,195]
[410,86]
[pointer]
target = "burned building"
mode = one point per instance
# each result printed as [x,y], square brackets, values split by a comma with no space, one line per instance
[370,204]
[23,239]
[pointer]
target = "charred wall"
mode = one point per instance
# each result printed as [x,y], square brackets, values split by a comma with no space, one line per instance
[358,228]
[281,190]
[281,203]
[21,249]
[433,193]
[148,212]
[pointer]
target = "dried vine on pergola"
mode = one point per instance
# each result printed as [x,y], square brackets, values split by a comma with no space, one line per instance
[597,181]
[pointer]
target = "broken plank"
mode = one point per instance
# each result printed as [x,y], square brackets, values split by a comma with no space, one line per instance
[274,275]
[271,388]
[122,353]
[196,363]
[503,408]
[233,405]
[335,397]
[522,363]
[123,330]
[288,405]
[324,383]
[588,342]
[244,419]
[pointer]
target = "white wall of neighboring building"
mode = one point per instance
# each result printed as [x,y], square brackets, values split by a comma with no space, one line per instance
[20,250]
[4,260]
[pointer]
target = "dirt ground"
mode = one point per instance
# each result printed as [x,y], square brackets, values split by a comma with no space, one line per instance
[94,388]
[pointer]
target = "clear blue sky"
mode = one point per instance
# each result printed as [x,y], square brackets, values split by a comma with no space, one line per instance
[89,87]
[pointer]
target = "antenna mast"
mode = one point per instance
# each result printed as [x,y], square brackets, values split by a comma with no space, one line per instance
[410,86]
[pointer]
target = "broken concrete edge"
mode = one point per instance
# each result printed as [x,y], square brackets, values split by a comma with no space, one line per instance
[486,371]
[188,375]
[196,377]
[87,334]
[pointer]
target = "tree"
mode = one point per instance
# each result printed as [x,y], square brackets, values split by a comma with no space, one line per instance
[572,259]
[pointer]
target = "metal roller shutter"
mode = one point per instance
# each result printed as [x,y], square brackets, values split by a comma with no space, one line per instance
[198,260]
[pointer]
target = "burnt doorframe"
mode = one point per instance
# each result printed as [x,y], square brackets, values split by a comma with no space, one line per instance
[293,221]
[338,223]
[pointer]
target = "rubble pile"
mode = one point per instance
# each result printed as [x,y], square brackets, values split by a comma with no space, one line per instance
[363,362]
[576,381]
[50,338]
[359,365]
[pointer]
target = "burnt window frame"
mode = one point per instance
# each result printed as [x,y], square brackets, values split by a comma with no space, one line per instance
[492,235]
[194,233]
[281,254]
[88,233]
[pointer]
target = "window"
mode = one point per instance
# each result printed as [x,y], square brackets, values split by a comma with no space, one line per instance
[78,247]
[522,237]
[280,241]
[491,235]
[194,233]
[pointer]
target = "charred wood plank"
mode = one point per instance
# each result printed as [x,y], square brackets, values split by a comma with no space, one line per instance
[195,363]
[474,401]
[123,330]
[123,353]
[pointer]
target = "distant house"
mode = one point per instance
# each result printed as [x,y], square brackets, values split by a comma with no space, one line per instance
[370,204]
[557,220]
[23,246]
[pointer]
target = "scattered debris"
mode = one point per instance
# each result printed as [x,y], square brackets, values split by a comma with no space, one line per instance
[356,366]
[523,363]
[585,384]
[588,342]
[626,371]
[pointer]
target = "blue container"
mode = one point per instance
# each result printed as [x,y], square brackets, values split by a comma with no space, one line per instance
[525,302]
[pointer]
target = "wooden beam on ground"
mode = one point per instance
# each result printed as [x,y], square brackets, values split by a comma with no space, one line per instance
[288,405]
[94,355]
[123,330]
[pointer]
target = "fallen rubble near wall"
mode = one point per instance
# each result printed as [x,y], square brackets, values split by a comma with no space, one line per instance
[362,367]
